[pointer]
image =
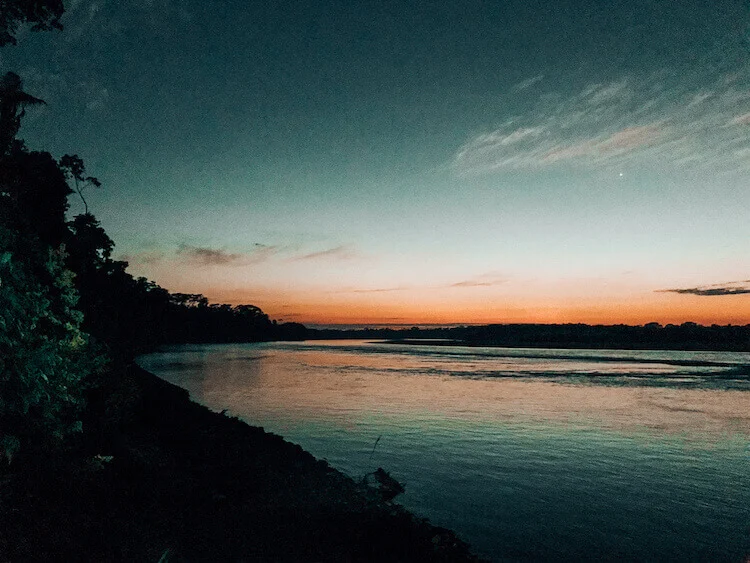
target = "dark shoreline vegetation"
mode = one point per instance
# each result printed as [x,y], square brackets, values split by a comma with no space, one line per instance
[652,336]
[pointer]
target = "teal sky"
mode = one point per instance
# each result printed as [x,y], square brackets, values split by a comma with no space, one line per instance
[414,161]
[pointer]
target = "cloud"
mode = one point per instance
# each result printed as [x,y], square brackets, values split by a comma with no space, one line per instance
[743,119]
[632,137]
[598,94]
[375,290]
[208,256]
[260,253]
[472,283]
[98,100]
[146,257]
[613,124]
[731,288]
[86,20]
[205,256]
[489,279]
[337,253]
[699,98]
[620,142]
[528,82]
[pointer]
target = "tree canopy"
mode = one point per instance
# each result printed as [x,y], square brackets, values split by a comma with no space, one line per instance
[43,15]
[13,103]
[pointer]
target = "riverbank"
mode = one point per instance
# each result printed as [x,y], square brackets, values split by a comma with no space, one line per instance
[651,336]
[165,479]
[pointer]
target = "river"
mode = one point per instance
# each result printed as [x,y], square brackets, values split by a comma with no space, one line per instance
[526,454]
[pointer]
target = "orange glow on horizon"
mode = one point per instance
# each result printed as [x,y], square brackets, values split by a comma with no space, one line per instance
[597,300]
[635,310]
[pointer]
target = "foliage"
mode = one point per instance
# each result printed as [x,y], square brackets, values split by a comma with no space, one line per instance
[124,313]
[42,14]
[75,170]
[35,194]
[191,319]
[13,103]
[44,356]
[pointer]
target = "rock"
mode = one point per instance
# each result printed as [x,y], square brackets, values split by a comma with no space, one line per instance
[386,485]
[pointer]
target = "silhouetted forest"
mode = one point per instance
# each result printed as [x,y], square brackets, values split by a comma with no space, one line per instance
[70,314]
[652,336]
[67,307]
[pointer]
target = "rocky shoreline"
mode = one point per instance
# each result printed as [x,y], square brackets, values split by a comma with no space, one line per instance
[165,479]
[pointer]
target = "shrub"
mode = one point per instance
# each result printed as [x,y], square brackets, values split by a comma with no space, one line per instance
[44,356]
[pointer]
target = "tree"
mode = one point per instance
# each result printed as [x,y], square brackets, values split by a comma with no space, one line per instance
[42,14]
[13,103]
[188,300]
[44,356]
[34,194]
[89,244]
[75,170]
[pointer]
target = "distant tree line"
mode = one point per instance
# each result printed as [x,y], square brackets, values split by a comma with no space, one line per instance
[652,336]
[191,318]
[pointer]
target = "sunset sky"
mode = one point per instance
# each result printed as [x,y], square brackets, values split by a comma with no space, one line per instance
[414,162]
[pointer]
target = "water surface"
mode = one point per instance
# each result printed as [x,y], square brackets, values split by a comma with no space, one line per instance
[527,454]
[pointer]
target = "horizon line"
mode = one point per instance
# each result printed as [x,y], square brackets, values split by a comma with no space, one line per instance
[396,326]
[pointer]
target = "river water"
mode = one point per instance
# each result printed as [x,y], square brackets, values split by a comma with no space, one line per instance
[526,454]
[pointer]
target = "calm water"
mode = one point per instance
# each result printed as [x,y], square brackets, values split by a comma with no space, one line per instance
[527,454]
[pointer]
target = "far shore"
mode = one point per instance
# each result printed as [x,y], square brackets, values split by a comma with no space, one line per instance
[652,336]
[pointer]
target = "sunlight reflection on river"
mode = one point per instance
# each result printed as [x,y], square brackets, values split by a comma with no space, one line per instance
[527,454]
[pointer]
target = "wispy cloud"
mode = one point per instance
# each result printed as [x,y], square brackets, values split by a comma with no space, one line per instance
[343,252]
[731,288]
[113,16]
[90,28]
[599,94]
[473,283]
[743,119]
[206,256]
[80,16]
[617,144]
[146,257]
[489,279]
[612,124]
[529,82]
[376,290]
[98,100]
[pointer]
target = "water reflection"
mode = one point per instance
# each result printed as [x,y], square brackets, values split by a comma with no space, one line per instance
[306,382]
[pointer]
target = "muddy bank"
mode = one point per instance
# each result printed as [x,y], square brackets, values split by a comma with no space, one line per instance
[159,477]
